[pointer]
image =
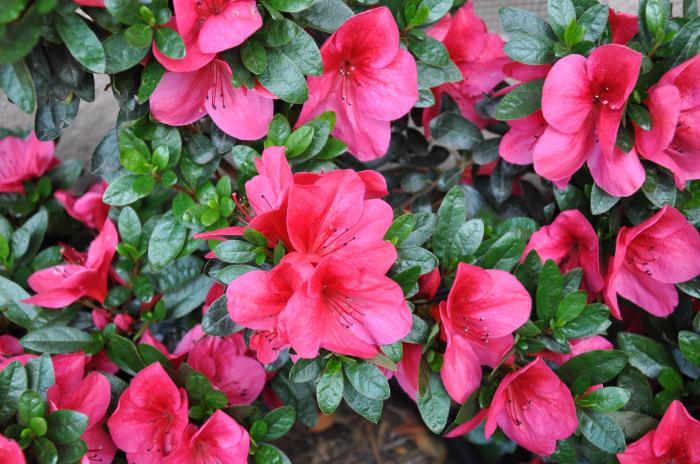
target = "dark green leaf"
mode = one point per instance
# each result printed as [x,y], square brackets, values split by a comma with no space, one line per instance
[530,49]
[304,370]
[601,201]
[368,380]
[434,405]
[326,15]
[217,322]
[689,344]
[560,14]
[601,431]
[40,374]
[30,405]
[451,215]
[121,56]
[16,82]
[65,426]
[329,391]
[454,131]
[123,353]
[56,340]
[166,242]
[522,101]
[366,407]
[593,367]
[82,43]
[550,291]
[594,21]
[122,192]
[606,399]
[644,353]
[13,381]
[170,43]
[279,421]
[44,451]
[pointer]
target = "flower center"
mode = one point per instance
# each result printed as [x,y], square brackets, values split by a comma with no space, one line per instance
[334,240]
[206,8]
[514,410]
[600,96]
[345,309]
[216,91]
[346,73]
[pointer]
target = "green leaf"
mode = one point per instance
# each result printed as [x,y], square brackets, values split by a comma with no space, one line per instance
[592,368]
[505,252]
[65,426]
[550,291]
[269,454]
[368,380]
[126,11]
[11,296]
[530,49]
[593,320]
[434,404]
[123,353]
[428,50]
[657,14]
[44,451]
[298,141]
[217,322]
[188,297]
[366,407]
[13,381]
[689,344]
[639,114]
[644,353]
[129,226]
[72,452]
[57,340]
[122,192]
[82,43]
[40,374]
[516,21]
[451,215]
[30,405]
[400,229]
[235,251]
[467,240]
[632,380]
[166,242]
[326,15]
[571,307]
[11,10]
[607,399]
[560,14]
[329,391]
[17,83]
[601,201]
[150,77]
[290,6]
[409,257]
[279,130]
[454,131]
[522,101]
[671,380]
[122,56]
[633,424]
[279,421]
[426,224]
[304,370]
[601,431]
[594,21]
[170,43]
[139,35]
[254,56]
[659,186]
[20,36]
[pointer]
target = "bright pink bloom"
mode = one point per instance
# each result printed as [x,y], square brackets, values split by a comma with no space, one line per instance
[674,138]
[582,101]
[62,285]
[571,242]
[89,208]
[10,452]
[578,346]
[123,322]
[95,3]
[479,56]
[256,299]
[407,369]
[534,408]
[518,144]
[101,317]
[89,395]
[10,346]
[649,259]
[208,27]
[483,309]
[182,98]
[224,362]
[219,440]
[428,284]
[22,160]
[675,440]
[346,310]
[368,81]
[623,26]
[151,416]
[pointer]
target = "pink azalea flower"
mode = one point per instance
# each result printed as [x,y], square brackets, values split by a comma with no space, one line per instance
[623,26]
[256,299]
[89,395]
[675,440]
[533,408]
[347,310]
[23,160]
[582,101]
[151,416]
[219,440]
[649,259]
[10,452]
[518,144]
[95,3]
[483,309]
[571,242]
[208,27]
[182,98]
[12,350]
[674,139]
[224,362]
[89,208]
[578,346]
[428,284]
[368,81]
[62,285]
[407,369]
[479,56]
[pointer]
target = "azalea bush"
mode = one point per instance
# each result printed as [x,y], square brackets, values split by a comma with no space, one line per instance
[305,204]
